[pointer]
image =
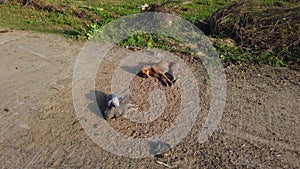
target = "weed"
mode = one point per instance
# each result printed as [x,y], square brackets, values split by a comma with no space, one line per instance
[92,30]
[269,59]
[236,54]
[230,53]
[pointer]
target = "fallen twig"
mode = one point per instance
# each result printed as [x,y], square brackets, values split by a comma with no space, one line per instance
[159,162]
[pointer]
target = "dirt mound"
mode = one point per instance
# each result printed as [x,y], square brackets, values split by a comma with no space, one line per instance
[263,29]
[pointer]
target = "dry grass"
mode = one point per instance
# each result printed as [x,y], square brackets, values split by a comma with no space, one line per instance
[260,28]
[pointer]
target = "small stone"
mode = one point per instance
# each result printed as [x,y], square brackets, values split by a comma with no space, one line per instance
[96,126]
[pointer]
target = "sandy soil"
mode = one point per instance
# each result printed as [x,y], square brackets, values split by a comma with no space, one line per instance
[39,127]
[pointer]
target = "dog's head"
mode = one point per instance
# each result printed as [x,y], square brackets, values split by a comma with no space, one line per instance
[146,70]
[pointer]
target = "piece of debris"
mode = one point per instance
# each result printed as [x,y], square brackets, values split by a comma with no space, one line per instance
[133,48]
[74,122]
[96,126]
[6,110]
[144,7]
[160,162]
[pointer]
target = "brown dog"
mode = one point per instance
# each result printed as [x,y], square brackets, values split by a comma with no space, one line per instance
[160,70]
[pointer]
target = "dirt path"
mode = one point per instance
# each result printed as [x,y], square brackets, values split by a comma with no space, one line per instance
[39,128]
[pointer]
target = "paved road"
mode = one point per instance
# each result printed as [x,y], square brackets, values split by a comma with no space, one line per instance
[32,67]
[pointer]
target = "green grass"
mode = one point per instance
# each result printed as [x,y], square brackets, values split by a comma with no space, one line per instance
[68,24]
[236,54]
[202,9]
[20,18]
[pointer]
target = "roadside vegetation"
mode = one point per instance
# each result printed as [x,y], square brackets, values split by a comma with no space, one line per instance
[262,31]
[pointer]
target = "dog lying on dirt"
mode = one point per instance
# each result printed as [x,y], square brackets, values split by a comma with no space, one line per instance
[117,106]
[165,71]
